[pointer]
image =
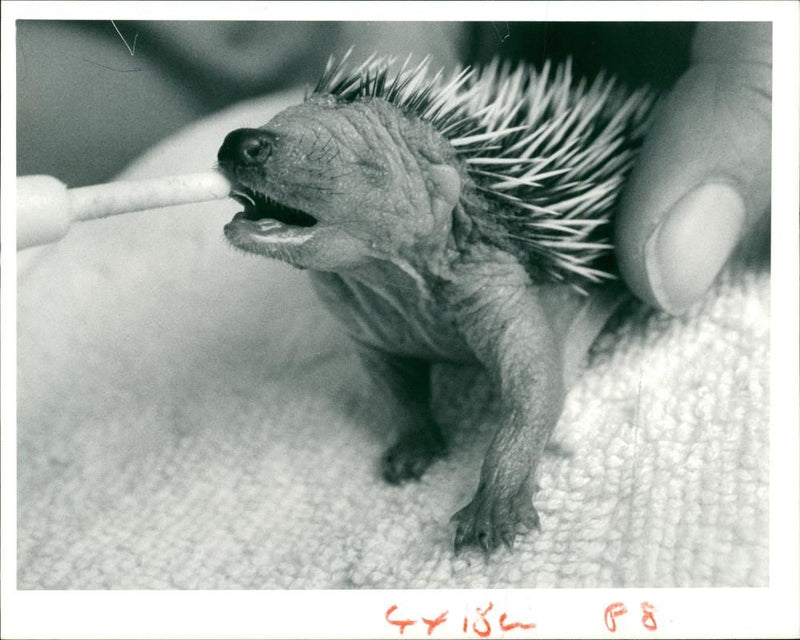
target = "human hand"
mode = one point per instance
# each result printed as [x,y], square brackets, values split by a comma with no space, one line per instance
[703,176]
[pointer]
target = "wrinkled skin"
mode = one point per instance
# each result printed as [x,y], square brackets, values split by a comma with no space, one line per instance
[394,256]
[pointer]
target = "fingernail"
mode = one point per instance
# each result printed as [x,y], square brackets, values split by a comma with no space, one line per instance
[687,250]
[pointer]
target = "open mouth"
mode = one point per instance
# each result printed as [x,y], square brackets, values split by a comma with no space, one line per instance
[258,207]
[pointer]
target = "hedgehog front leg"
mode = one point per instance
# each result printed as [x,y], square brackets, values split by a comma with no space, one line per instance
[503,320]
[407,383]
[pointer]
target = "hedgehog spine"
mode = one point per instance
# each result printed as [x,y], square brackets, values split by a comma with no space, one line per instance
[550,151]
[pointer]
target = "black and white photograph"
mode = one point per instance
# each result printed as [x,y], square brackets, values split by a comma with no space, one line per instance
[424,312]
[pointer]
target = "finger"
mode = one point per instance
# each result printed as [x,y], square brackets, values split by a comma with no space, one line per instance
[703,175]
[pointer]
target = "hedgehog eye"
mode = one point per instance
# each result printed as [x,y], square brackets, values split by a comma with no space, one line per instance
[374,172]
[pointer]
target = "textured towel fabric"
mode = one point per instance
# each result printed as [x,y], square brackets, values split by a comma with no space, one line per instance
[189,417]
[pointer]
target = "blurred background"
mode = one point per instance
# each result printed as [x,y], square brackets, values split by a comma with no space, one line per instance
[93,95]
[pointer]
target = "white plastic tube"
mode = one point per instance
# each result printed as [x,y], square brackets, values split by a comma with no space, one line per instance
[46,208]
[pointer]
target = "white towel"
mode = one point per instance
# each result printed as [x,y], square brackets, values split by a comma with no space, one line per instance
[189,417]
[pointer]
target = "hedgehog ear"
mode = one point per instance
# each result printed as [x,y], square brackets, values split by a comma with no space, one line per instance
[445,190]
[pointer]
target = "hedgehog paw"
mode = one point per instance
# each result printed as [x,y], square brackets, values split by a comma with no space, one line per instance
[410,456]
[492,519]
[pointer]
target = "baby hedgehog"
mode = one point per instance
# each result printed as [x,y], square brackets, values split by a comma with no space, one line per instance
[459,220]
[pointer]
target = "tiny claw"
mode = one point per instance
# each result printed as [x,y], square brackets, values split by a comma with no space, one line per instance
[486,545]
[461,535]
[508,540]
[417,471]
[534,521]
[457,515]
[530,517]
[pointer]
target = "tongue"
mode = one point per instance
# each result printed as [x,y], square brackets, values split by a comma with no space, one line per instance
[257,207]
[253,213]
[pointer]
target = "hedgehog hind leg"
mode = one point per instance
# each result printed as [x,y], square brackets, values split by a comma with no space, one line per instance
[406,383]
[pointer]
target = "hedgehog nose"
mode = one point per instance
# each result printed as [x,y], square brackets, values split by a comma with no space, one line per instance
[245,147]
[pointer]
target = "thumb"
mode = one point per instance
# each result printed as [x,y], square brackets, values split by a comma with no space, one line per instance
[703,176]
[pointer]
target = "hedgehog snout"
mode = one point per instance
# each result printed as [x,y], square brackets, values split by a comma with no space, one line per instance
[245,148]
